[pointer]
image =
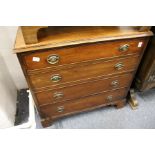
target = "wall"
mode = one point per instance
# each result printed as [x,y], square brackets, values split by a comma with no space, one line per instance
[7,39]
[11,77]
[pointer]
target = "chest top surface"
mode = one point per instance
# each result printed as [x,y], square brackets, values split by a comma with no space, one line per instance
[61,36]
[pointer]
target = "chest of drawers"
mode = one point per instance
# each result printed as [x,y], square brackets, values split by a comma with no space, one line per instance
[76,69]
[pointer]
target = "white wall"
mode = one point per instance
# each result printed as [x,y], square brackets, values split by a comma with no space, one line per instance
[11,76]
[8,92]
[7,39]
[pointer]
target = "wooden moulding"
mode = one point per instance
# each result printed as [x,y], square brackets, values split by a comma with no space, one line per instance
[60,36]
[30,33]
[144,28]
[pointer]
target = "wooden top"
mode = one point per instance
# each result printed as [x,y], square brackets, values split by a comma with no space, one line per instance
[73,35]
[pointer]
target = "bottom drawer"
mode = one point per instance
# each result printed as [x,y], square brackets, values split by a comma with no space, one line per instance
[83,104]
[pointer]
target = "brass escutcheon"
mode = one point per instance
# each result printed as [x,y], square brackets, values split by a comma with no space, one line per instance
[119,66]
[109,98]
[58,95]
[124,48]
[115,83]
[56,78]
[53,59]
[60,109]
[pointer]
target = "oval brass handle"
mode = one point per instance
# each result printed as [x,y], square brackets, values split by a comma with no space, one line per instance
[119,66]
[124,48]
[115,83]
[58,95]
[53,59]
[56,78]
[110,98]
[60,109]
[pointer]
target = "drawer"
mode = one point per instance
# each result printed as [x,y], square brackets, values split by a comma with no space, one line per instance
[77,54]
[74,106]
[78,73]
[83,89]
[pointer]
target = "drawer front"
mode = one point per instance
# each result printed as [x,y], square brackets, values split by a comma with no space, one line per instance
[77,54]
[81,73]
[83,89]
[73,106]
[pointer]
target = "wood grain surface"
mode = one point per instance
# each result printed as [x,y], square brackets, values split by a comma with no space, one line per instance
[83,72]
[77,54]
[91,70]
[75,35]
[83,89]
[78,105]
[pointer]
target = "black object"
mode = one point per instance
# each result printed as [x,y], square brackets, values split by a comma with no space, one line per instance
[22,112]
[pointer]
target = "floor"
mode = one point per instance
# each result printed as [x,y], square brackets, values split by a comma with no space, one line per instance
[112,118]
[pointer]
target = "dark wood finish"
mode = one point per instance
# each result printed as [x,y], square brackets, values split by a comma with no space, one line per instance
[82,73]
[145,78]
[83,89]
[83,53]
[87,64]
[83,104]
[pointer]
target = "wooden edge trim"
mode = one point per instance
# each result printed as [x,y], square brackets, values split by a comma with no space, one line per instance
[68,43]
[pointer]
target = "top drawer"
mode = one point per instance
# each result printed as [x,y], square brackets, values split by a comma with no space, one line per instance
[76,54]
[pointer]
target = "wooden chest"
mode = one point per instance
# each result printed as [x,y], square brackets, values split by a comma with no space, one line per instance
[76,69]
[145,78]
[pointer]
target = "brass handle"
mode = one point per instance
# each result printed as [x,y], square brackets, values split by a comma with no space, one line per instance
[56,78]
[124,48]
[53,59]
[115,83]
[60,109]
[119,65]
[58,95]
[110,98]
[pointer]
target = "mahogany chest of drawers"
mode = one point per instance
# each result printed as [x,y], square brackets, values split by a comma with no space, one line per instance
[76,69]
